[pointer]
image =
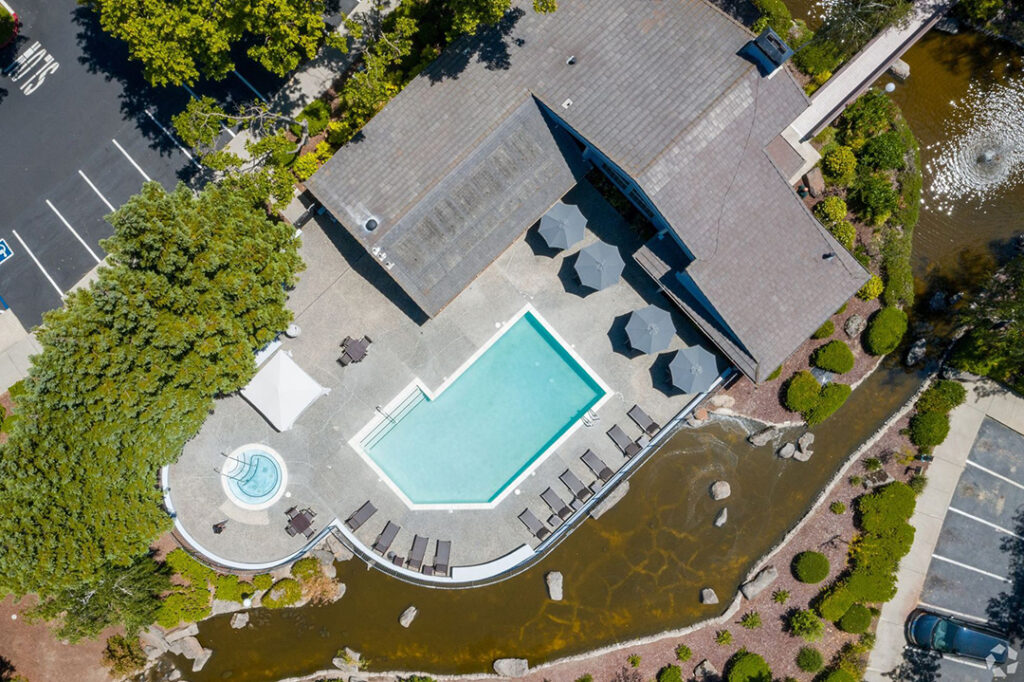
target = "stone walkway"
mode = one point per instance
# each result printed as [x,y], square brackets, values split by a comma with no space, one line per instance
[984,399]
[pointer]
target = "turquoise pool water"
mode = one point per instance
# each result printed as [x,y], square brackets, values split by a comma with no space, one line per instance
[256,478]
[505,410]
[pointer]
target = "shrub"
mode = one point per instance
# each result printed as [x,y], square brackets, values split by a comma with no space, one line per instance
[873,198]
[6,27]
[285,592]
[839,164]
[186,605]
[842,308]
[824,331]
[317,113]
[886,507]
[776,374]
[263,581]
[123,655]
[856,620]
[810,567]
[883,152]
[839,676]
[928,429]
[855,480]
[872,464]
[845,233]
[230,588]
[868,116]
[587,677]
[818,57]
[833,396]
[802,392]
[780,596]
[683,653]
[751,620]
[774,13]
[872,584]
[831,210]
[634,660]
[306,568]
[872,289]
[809,659]
[942,396]
[745,666]
[723,637]
[837,507]
[310,163]
[885,331]
[917,483]
[834,356]
[182,563]
[805,624]
[834,602]
[670,673]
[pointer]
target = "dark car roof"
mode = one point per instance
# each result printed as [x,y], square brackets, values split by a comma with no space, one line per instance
[971,642]
[967,639]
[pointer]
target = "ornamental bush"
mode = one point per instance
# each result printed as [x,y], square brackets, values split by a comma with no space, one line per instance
[867,117]
[263,581]
[189,605]
[805,624]
[670,673]
[230,588]
[683,653]
[810,567]
[834,602]
[872,584]
[285,592]
[751,620]
[809,659]
[886,507]
[182,563]
[839,164]
[844,232]
[317,113]
[831,210]
[885,331]
[774,13]
[824,331]
[839,676]
[883,152]
[928,429]
[745,666]
[802,392]
[834,356]
[873,198]
[306,568]
[942,396]
[832,397]
[123,655]
[872,289]
[856,620]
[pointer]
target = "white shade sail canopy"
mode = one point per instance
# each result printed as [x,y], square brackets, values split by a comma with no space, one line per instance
[281,391]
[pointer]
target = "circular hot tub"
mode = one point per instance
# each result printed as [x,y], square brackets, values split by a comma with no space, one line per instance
[254,476]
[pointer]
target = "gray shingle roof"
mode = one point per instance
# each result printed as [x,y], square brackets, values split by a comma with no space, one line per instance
[462,161]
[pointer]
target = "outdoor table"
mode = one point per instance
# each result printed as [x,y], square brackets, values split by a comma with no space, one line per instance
[301,521]
[356,350]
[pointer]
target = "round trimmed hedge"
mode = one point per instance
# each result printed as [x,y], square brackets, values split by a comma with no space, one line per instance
[872,289]
[928,429]
[856,620]
[285,592]
[885,331]
[745,666]
[802,391]
[839,676]
[809,660]
[810,567]
[670,673]
[835,602]
[942,396]
[834,356]
[832,397]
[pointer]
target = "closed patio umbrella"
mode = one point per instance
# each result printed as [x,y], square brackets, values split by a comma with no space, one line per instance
[694,369]
[562,226]
[599,266]
[650,329]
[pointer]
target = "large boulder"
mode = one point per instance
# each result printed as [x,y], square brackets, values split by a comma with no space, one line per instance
[854,325]
[349,662]
[708,596]
[787,450]
[189,647]
[199,661]
[803,455]
[706,672]
[240,620]
[554,582]
[511,667]
[760,582]
[805,441]
[720,490]
[190,630]
[764,436]
[815,182]
[722,517]
[407,617]
[915,353]
[721,400]
[900,70]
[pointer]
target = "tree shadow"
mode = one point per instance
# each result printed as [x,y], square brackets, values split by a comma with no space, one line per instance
[918,665]
[491,45]
[7,670]
[1006,611]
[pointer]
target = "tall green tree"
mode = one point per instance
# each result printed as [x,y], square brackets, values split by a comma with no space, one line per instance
[852,23]
[128,372]
[468,15]
[180,41]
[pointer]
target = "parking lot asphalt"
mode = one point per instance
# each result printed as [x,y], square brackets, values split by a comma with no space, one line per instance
[981,546]
[82,131]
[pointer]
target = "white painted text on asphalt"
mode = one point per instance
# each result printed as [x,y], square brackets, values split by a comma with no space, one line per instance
[31,68]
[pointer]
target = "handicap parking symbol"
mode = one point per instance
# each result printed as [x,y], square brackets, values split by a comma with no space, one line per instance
[5,251]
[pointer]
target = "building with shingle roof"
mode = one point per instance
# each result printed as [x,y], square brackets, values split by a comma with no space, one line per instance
[658,94]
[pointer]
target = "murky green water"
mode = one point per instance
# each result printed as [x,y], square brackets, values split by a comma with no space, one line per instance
[637,571]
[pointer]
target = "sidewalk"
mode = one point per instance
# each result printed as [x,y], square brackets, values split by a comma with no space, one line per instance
[16,345]
[984,399]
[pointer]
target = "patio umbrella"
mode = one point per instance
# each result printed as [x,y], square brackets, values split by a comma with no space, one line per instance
[599,266]
[562,226]
[650,329]
[694,369]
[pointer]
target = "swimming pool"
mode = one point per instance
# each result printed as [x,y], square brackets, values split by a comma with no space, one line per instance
[510,405]
[254,476]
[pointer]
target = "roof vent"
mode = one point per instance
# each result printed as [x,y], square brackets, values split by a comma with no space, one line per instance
[566,104]
[571,60]
[371,225]
[768,51]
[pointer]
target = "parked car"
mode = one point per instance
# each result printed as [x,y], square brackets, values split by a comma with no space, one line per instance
[949,635]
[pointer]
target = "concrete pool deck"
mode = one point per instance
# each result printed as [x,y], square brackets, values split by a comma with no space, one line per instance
[343,293]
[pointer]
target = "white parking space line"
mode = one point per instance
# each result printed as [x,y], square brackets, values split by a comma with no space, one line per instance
[172,137]
[38,264]
[951,612]
[73,231]
[98,193]
[963,661]
[131,160]
[249,85]
[195,96]
[969,567]
[987,523]
[992,473]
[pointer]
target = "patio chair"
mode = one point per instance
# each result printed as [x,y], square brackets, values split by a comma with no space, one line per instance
[597,466]
[386,537]
[557,505]
[397,560]
[442,554]
[419,548]
[643,420]
[623,442]
[368,340]
[347,340]
[344,360]
[288,529]
[291,513]
[534,525]
[309,532]
[309,512]
[361,516]
[580,492]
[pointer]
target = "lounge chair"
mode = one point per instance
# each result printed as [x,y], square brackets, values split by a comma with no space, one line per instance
[534,525]
[597,465]
[396,560]
[580,492]
[643,420]
[623,442]
[419,548]
[386,537]
[557,505]
[361,516]
[442,554]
